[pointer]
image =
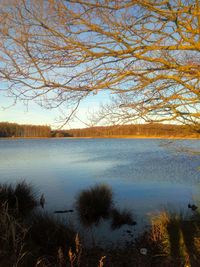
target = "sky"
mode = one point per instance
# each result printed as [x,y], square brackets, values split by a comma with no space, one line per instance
[34,114]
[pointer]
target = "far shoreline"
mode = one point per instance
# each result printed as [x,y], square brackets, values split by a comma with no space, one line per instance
[110,137]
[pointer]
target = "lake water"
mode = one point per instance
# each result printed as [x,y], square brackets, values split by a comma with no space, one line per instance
[146,175]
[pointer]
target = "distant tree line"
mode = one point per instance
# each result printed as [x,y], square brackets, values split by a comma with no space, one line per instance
[151,129]
[17,130]
[148,130]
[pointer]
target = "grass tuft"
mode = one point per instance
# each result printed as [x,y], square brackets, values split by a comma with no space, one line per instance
[94,204]
[20,199]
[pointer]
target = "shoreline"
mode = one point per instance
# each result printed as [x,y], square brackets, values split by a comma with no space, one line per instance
[110,137]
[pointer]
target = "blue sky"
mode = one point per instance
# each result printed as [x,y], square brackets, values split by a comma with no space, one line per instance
[34,114]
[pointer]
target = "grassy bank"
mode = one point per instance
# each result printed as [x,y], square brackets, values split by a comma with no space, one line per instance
[30,236]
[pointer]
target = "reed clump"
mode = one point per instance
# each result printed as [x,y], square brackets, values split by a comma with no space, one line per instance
[94,204]
[20,199]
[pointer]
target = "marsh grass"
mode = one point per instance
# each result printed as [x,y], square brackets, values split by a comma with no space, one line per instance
[40,239]
[182,231]
[27,235]
[20,199]
[12,239]
[174,237]
[94,204]
[48,234]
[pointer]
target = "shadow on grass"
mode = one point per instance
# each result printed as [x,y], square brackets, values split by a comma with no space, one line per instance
[175,237]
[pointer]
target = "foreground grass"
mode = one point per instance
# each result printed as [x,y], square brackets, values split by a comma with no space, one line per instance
[20,199]
[30,237]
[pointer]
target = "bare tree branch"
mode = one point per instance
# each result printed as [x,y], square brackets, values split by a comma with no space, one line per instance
[146,53]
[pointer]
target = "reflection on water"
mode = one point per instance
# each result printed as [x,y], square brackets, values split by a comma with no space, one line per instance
[121,217]
[145,175]
[95,207]
[96,204]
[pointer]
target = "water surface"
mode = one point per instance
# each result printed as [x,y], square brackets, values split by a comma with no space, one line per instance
[146,175]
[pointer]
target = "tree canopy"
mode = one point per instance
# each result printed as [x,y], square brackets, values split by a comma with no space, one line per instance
[145,53]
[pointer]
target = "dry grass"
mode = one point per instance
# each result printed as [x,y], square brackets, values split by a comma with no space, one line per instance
[173,238]
[12,239]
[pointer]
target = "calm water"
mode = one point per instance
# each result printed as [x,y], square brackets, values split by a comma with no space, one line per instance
[146,175]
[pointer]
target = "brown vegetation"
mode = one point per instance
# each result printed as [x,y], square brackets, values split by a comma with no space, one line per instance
[41,240]
[136,130]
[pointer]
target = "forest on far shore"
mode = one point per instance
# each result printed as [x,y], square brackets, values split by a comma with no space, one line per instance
[12,130]
[23,130]
[146,130]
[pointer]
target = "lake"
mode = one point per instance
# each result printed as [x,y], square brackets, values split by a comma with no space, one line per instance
[146,175]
